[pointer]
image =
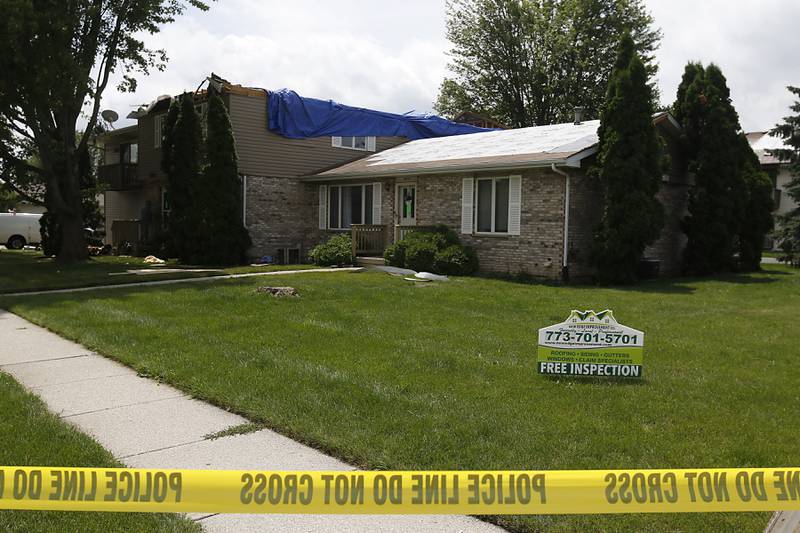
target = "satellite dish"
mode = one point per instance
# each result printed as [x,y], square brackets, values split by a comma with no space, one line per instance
[110,116]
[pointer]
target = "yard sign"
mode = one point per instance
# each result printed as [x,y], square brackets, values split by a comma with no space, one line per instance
[591,344]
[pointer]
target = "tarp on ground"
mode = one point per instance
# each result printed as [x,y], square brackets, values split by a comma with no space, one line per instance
[298,117]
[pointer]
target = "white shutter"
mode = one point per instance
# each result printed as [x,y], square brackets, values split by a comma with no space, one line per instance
[514,204]
[370,144]
[376,202]
[323,204]
[336,142]
[467,193]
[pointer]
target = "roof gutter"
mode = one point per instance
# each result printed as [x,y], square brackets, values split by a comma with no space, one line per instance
[449,170]
[565,253]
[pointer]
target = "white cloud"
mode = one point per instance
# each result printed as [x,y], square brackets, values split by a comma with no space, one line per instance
[754,42]
[392,55]
[357,53]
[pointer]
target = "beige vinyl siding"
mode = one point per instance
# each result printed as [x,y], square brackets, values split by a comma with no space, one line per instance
[263,153]
[122,205]
[149,165]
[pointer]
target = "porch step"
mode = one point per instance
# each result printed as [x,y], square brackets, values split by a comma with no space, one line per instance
[369,261]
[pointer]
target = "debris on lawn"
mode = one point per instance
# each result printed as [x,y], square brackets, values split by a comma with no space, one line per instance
[430,276]
[153,260]
[394,271]
[279,292]
[418,280]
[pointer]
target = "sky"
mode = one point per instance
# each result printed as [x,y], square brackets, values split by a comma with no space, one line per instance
[392,56]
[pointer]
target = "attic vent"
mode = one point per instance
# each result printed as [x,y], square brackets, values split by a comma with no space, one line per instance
[579,115]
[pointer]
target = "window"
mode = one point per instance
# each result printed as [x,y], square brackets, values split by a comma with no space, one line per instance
[129,153]
[159,121]
[492,205]
[366,144]
[348,205]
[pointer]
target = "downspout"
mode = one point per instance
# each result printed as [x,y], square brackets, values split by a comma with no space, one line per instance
[565,253]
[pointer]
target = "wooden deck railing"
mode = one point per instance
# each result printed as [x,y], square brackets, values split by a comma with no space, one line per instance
[368,239]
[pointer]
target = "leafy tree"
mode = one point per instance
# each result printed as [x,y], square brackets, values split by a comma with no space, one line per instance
[182,149]
[57,59]
[789,131]
[224,239]
[711,142]
[629,168]
[8,199]
[756,221]
[533,62]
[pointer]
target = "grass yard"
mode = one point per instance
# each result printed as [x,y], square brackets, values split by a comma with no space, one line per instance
[388,374]
[27,270]
[31,436]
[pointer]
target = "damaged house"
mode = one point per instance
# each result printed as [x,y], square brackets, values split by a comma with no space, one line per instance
[312,168]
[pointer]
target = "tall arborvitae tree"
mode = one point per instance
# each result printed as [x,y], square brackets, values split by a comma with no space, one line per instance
[224,240]
[629,164]
[183,162]
[756,221]
[789,131]
[717,199]
[167,135]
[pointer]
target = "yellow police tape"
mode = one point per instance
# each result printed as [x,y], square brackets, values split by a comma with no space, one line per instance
[359,492]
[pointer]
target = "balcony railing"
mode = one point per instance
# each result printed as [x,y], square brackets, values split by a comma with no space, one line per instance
[368,239]
[119,177]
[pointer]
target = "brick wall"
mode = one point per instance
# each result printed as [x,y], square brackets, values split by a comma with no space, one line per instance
[668,249]
[535,251]
[585,210]
[279,214]
[284,212]
[585,213]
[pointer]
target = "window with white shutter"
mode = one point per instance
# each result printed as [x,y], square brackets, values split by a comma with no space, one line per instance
[467,193]
[497,205]
[352,204]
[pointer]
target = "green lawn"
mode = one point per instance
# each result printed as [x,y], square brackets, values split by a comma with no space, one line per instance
[27,270]
[390,374]
[31,436]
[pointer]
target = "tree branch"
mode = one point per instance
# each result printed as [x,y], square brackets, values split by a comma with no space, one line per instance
[19,192]
[104,72]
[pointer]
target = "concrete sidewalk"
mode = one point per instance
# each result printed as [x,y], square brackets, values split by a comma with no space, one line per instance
[149,425]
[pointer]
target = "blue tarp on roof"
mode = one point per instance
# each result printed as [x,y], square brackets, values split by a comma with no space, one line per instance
[298,117]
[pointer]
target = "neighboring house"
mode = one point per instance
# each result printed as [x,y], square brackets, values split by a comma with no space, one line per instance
[520,197]
[761,142]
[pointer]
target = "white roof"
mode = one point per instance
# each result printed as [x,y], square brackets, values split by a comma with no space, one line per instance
[555,138]
[555,144]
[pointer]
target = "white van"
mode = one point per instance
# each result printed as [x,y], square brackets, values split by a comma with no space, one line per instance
[19,229]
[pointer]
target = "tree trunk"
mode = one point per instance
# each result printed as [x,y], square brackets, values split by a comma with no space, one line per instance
[73,243]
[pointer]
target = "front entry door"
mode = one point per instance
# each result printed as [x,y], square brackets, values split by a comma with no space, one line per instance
[407,204]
